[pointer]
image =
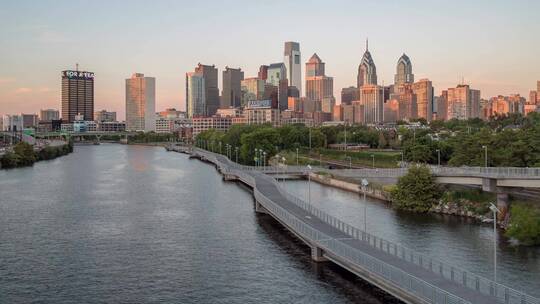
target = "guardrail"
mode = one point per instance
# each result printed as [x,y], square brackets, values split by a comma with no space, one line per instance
[457,275]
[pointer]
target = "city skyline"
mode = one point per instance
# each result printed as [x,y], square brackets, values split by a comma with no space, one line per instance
[29,83]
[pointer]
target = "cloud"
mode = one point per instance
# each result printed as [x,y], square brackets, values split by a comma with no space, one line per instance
[4,80]
[23,90]
[44,89]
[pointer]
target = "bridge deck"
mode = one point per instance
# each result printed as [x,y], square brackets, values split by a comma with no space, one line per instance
[454,290]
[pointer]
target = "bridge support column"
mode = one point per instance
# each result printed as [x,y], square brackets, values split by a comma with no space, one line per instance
[259,208]
[317,254]
[489,185]
[503,205]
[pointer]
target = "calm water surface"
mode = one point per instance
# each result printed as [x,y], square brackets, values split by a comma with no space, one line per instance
[130,224]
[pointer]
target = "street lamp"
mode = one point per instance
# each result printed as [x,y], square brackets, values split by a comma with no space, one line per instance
[495,210]
[236,149]
[485,156]
[373,161]
[256,158]
[439,157]
[309,183]
[365,183]
[297,156]
[284,167]
[350,162]
[264,160]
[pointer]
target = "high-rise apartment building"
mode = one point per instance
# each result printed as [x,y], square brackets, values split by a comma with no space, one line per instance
[49,115]
[211,90]
[463,103]
[195,95]
[263,72]
[423,90]
[367,72]
[533,97]
[77,95]
[292,63]
[231,94]
[140,103]
[403,71]
[407,104]
[319,87]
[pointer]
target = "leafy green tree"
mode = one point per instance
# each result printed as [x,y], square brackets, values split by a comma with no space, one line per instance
[263,138]
[416,190]
[10,160]
[26,154]
[524,224]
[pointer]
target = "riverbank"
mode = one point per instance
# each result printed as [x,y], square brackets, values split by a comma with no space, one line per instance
[24,155]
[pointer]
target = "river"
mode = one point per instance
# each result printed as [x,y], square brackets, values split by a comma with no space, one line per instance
[134,224]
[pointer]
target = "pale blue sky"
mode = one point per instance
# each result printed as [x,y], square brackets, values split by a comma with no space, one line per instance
[494,45]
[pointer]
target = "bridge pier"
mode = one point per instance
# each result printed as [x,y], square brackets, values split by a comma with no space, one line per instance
[317,254]
[503,204]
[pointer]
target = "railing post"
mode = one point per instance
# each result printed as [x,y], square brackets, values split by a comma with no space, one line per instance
[506,296]
[452,273]
[464,278]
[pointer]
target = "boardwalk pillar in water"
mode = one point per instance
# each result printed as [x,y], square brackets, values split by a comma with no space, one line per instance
[317,254]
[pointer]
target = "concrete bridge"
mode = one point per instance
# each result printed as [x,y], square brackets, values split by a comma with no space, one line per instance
[402,272]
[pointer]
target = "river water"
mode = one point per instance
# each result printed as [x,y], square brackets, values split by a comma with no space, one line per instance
[135,224]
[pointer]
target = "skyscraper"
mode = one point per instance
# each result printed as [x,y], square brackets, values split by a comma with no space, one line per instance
[403,71]
[140,103]
[77,95]
[231,94]
[277,76]
[463,102]
[211,90]
[371,98]
[319,87]
[367,72]
[195,95]
[423,90]
[292,63]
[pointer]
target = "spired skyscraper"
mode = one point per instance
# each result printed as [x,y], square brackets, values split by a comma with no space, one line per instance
[140,103]
[403,71]
[367,72]
[77,95]
[292,64]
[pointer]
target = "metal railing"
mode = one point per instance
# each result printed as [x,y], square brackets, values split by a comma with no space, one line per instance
[457,275]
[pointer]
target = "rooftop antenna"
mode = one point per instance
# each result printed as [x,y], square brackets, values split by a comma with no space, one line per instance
[367,44]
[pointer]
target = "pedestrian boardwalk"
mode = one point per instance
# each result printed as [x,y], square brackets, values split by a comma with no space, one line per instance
[407,275]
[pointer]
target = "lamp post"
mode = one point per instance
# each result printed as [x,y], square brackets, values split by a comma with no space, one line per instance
[495,210]
[373,161]
[309,183]
[365,183]
[297,156]
[485,156]
[236,149]
[350,162]
[264,160]
[439,157]
[345,129]
[256,158]
[283,160]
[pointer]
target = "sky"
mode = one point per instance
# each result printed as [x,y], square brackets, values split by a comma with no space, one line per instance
[492,45]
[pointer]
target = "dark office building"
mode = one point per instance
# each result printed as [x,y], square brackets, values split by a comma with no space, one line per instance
[348,95]
[77,95]
[211,90]
[231,94]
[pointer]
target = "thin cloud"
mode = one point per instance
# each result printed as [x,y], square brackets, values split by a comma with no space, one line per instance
[4,80]
[23,90]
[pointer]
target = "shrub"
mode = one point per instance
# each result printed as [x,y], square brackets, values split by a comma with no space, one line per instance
[416,190]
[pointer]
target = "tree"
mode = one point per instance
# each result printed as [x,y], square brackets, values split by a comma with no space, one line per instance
[416,190]
[25,151]
[524,224]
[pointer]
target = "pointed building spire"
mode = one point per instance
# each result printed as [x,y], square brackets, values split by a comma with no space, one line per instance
[367,49]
